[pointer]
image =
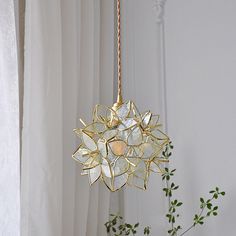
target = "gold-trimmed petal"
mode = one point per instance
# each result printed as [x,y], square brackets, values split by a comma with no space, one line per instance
[123,111]
[154,167]
[81,154]
[135,137]
[95,128]
[94,174]
[120,166]
[148,150]
[89,142]
[146,118]
[107,169]
[110,134]
[102,147]
[120,181]
[129,123]
[154,121]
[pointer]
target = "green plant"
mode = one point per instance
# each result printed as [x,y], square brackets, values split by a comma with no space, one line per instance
[207,207]
[116,226]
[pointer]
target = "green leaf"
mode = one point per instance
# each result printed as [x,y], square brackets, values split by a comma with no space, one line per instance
[179,204]
[136,225]
[129,226]
[209,205]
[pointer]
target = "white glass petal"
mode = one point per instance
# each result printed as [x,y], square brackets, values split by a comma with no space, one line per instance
[135,112]
[106,169]
[81,155]
[154,121]
[154,167]
[120,166]
[148,150]
[89,142]
[135,137]
[103,114]
[96,128]
[123,135]
[120,181]
[109,134]
[158,134]
[140,170]
[129,123]
[123,111]
[138,182]
[94,174]
[107,181]
[102,147]
[146,119]
[92,162]
[111,156]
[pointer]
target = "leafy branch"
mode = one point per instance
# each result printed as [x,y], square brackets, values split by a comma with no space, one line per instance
[115,228]
[207,208]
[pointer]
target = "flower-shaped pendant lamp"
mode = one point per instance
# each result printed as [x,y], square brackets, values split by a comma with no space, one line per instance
[121,146]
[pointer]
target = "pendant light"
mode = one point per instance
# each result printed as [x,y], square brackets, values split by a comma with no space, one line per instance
[121,146]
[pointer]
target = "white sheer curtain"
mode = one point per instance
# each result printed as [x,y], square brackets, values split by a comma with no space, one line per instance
[9,124]
[68,69]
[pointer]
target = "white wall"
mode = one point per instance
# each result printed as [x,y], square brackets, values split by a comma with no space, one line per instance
[200,40]
[201,83]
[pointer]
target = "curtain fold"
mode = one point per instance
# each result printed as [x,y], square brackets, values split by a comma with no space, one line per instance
[65,76]
[42,142]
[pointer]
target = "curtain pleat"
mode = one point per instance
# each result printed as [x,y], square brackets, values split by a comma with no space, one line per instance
[42,142]
[65,76]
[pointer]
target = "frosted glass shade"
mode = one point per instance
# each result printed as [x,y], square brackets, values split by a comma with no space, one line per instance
[121,146]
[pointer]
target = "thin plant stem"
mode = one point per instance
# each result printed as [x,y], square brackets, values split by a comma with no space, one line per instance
[169,200]
[186,231]
[193,225]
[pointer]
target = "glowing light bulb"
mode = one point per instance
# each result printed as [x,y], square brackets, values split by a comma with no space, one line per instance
[118,147]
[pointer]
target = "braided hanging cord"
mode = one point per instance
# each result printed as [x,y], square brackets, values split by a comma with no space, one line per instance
[119,97]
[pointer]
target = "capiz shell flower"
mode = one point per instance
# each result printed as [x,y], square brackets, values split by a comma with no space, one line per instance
[121,146]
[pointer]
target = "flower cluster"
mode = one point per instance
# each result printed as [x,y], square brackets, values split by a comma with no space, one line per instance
[121,146]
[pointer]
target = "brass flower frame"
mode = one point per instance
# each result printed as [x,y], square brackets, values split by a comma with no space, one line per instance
[121,146]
